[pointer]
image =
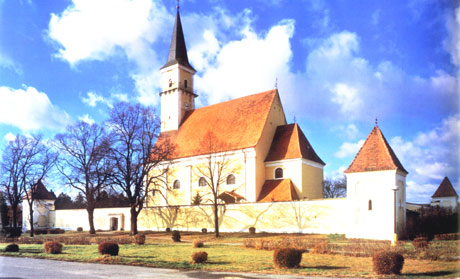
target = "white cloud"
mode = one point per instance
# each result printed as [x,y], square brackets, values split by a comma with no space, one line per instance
[92,99]
[29,109]
[349,149]
[347,97]
[9,137]
[349,131]
[430,156]
[7,63]
[86,118]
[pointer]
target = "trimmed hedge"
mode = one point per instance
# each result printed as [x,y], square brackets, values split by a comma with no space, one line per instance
[139,239]
[108,248]
[204,230]
[252,230]
[53,247]
[287,258]
[12,248]
[199,257]
[388,262]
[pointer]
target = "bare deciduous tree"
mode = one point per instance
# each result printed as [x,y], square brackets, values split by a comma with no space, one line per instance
[335,188]
[25,162]
[84,163]
[215,169]
[137,160]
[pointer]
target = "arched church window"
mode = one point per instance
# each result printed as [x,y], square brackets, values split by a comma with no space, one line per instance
[185,83]
[170,82]
[202,182]
[176,184]
[369,206]
[230,179]
[279,173]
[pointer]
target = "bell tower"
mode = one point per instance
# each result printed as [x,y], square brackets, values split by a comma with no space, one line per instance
[177,96]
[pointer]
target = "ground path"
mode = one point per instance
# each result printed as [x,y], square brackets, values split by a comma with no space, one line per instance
[27,268]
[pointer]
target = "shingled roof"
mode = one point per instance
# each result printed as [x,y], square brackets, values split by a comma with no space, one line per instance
[445,189]
[230,125]
[290,142]
[278,190]
[375,155]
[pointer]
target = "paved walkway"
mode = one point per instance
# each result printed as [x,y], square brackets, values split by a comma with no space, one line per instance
[28,268]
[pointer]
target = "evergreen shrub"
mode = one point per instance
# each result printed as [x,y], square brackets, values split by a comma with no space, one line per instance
[175,236]
[287,258]
[139,239]
[108,248]
[12,248]
[53,247]
[197,243]
[388,262]
[252,230]
[199,257]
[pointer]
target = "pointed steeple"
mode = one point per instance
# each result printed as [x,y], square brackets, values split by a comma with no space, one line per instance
[445,189]
[178,50]
[375,155]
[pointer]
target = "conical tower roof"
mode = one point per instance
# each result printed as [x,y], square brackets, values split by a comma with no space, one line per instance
[375,155]
[445,189]
[178,50]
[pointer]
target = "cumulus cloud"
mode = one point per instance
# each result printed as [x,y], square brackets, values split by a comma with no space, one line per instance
[349,149]
[29,109]
[430,156]
[349,131]
[86,118]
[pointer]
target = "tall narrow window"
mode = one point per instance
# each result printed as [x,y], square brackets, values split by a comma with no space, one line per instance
[185,83]
[279,173]
[369,206]
[230,179]
[202,182]
[176,184]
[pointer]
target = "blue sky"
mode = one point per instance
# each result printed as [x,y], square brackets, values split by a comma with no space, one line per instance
[338,65]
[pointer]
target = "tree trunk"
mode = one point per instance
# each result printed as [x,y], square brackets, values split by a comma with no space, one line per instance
[31,219]
[90,210]
[14,208]
[216,219]
[133,221]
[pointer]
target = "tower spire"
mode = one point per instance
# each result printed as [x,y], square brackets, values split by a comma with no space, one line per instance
[177,49]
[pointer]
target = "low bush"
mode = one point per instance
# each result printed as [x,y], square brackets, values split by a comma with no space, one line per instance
[139,239]
[388,262]
[287,258]
[175,236]
[204,230]
[11,232]
[55,231]
[168,229]
[79,229]
[12,248]
[53,247]
[321,247]
[108,248]
[197,243]
[252,230]
[420,242]
[199,257]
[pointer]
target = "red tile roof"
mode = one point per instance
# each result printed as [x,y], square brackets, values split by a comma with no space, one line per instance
[375,154]
[230,197]
[290,142]
[233,125]
[445,189]
[278,190]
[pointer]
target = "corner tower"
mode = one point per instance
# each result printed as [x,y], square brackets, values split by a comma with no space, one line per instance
[177,96]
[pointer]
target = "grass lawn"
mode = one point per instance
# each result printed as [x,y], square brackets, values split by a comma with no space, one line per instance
[222,257]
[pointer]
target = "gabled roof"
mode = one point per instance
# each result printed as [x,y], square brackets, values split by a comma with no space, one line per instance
[41,193]
[278,190]
[290,142]
[375,155]
[177,49]
[231,125]
[230,197]
[445,189]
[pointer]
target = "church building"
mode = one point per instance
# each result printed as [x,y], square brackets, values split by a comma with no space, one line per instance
[267,158]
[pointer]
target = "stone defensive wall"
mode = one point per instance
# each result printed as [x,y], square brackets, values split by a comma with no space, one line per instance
[325,216]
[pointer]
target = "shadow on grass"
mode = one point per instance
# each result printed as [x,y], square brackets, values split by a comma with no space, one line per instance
[325,267]
[207,275]
[140,257]
[430,274]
